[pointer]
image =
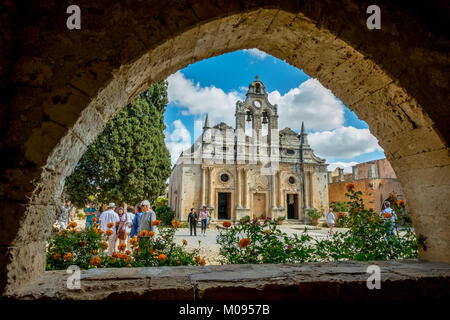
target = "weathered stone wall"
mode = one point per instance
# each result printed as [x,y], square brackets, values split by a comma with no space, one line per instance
[60,88]
[312,281]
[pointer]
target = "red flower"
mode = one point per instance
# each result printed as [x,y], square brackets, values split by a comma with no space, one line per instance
[350,186]
[244,242]
[387,215]
[226,224]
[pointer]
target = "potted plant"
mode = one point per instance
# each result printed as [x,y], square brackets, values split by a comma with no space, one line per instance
[315,215]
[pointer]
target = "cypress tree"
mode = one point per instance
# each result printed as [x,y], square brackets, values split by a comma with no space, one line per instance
[129,161]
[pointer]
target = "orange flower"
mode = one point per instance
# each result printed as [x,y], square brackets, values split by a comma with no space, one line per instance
[74,231]
[94,219]
[105,244]
[136,249]
[129,265]
[184,242]
[151,233]
[100,231]
[95,261]
[128,252]
[350,186]
[110,225]
[133,240]
[162,257]
[143,233]
[176,223]
[155,223]
[61,232]
[387,215]
[109,232]
[68,256]
[244,242]
[115,254]
[202,262]
[57,256]
[94,251]
[226,224]
[122,246]
[197,259]
[178,261]
[401,203]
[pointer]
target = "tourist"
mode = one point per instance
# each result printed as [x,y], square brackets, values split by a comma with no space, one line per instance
[121,233]
[107,217]
[137,217]
[204,215]
[63,217]
[192,219]
[330,221]
[388,215]
[147,218]
[130,218]
[90,214]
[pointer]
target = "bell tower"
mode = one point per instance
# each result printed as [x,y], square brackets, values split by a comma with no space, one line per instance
[263,116]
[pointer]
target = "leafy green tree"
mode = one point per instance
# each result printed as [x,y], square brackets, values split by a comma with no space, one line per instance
[129,161]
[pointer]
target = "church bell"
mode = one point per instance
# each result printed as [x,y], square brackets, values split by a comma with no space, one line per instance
[249,116]
[264,120]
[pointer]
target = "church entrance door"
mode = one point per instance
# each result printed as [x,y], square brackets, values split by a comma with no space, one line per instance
[259,204]
[292,206]
[224,205]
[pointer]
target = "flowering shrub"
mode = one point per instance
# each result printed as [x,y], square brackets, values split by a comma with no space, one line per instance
[370,237]
[87,249]
[261,241]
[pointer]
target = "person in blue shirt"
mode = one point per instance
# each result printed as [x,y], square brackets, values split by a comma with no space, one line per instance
[388,215]
[90,214]
[135,226]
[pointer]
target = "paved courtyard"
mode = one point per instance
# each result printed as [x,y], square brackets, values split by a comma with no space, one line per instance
[210,249]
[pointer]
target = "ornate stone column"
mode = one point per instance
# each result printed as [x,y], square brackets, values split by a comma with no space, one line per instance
[203,186]
[280,197]
[274,191]
[238,188]
[246,191]
[210,188]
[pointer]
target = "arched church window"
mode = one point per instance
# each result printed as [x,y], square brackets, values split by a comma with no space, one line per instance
[258,88]
[224,177]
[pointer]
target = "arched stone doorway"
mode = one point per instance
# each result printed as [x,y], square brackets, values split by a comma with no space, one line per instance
[61,87]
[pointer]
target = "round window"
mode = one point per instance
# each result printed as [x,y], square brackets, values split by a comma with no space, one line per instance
[290,151]
[291,180]
[257,103]
[224,177]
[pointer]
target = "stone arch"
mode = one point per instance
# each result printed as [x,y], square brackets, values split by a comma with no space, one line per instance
[62,87]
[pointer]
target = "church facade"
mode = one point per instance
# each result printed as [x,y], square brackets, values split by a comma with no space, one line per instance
[254,169]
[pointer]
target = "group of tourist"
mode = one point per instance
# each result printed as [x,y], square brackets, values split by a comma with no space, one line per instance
[126,225]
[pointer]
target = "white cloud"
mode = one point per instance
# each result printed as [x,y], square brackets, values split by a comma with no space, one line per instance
[309,102]
[256,53]
[178,140]
[346,165]
[197,100]
[344,142]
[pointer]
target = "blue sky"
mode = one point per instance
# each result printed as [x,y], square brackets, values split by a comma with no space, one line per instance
[214,85]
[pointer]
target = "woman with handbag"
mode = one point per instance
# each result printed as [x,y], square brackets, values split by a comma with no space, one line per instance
[121,227]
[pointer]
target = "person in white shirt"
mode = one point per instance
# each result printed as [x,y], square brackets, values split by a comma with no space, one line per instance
[130,218]
[107,217]
[147,218]
[330,221]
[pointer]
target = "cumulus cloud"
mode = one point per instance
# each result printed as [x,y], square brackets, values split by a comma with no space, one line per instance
[178,140]
[309,102]
[346,165]
[344,142]
[256,53]
[196,100]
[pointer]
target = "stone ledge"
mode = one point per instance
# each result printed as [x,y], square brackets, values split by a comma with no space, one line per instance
[406,279]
